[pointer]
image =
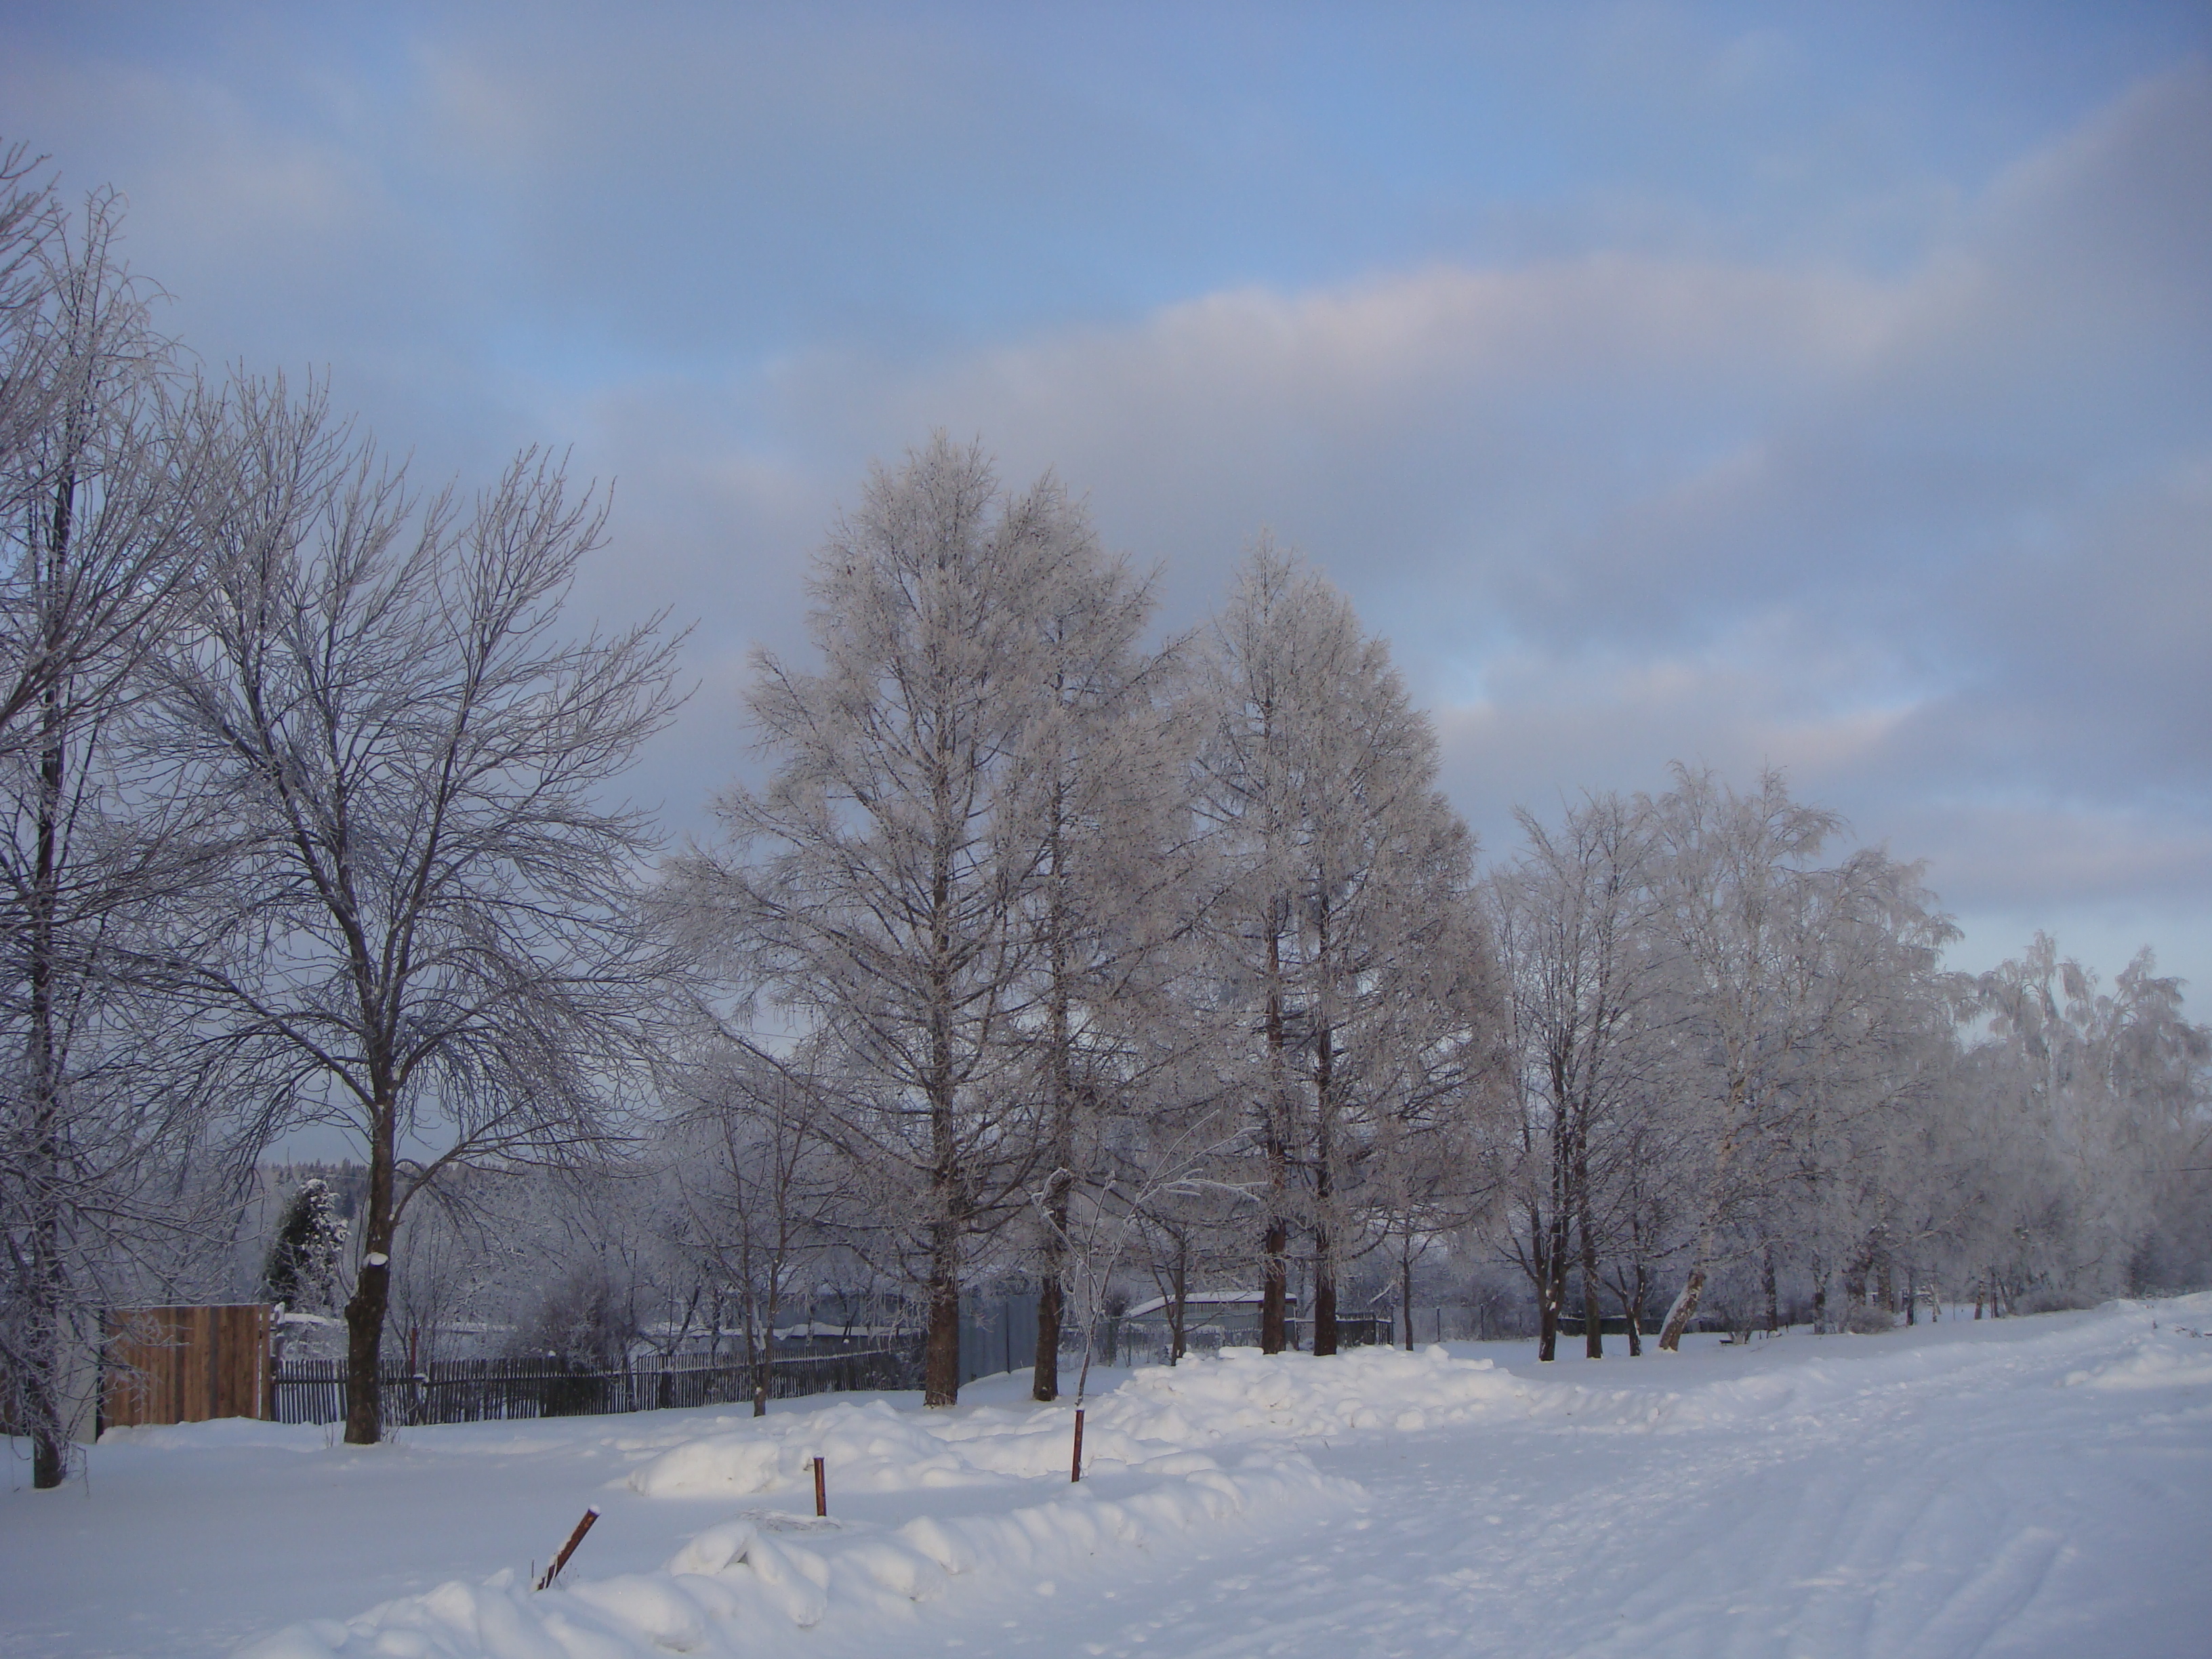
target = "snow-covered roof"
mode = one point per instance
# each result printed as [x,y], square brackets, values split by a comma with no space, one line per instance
[1208,1300]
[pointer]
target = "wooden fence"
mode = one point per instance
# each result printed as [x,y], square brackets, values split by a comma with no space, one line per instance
[187,1364]
[504,1390]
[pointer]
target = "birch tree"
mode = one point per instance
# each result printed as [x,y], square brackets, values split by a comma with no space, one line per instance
[2091,1126]
[1574,919]
[1783,975]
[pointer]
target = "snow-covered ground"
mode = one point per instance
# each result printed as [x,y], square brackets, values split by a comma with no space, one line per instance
[2029,1486]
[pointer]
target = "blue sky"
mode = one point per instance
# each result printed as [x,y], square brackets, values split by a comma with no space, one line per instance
[1823,386]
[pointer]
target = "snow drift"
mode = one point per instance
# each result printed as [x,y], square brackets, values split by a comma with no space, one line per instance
[735,1584]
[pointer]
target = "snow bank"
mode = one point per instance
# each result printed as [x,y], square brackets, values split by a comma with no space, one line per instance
[226,1434]
[1864,1494]
[871,1447]
[2170,1360]
[1159,1422]
[1246,1395]
[734,1586]
[1212,1442]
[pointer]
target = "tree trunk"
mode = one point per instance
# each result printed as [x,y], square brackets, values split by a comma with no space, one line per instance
[1593,1324]
[1406,1293]
[940,1370]
[1274,1284]
[1773,1299]
[1684,1310]
[1324,1236]
[1324,1294]
[764,1376]
[1536,1262]
[364,1317]
[42,1385]
[1555,1285]
[1552,1297]
[1274,1266]
[1044,1383]
[1179,1303]
[1044,1380]
[49,1443]
[372,1294]
[1686,1303]
[1324,1261]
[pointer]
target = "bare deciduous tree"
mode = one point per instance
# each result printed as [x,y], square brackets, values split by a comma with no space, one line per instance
[98,472]
[434,918]
[1574,918]
[750,1165]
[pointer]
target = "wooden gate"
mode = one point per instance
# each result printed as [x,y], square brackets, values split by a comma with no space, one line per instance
[188,1364]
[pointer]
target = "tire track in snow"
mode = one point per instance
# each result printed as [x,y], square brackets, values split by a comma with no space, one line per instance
[1990,1600]
[1889,1500]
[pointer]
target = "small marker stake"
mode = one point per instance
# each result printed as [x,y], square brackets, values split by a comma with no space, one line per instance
[1075,1473]
[567,1549]
[821,1489]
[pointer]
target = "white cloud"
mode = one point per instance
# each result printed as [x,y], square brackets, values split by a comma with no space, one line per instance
[1931,533]
[1934,542]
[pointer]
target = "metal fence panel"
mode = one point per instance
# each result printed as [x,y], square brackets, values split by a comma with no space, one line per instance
[506,1391]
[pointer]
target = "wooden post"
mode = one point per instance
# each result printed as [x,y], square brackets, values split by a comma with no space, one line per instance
[821,1489]
[1075,1471]
[567,1549]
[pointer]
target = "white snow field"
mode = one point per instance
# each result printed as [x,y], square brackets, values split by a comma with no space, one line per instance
[2037,1485]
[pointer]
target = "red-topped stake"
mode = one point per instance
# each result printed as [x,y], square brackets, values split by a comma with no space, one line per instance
[567,1549]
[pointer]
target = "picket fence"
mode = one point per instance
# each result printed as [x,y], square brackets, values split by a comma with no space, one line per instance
[506,1390]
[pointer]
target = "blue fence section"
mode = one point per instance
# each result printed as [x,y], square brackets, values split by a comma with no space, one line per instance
[997,1334]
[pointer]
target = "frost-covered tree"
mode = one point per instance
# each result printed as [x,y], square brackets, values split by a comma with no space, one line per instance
[102,1095]
[305,1255]
[1110,904]
[882,888]
[1783,975]
[1575,921]
[435,930]
[1343,930]
[2090,1123]
[757,1187]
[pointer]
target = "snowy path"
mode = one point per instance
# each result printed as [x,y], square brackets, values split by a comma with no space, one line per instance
[1974,1508]
[2034,1487]
[1919,1495]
